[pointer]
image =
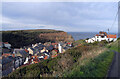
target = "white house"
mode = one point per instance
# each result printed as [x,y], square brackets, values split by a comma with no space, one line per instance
[102,36]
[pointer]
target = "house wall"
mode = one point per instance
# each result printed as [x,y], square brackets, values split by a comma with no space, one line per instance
[17,63]
[99,38]
[30,51]
[7,45]
[60,48]
[26,61]
[112,39]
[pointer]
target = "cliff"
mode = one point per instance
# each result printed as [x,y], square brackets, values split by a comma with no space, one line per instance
[60,36]
[22,38]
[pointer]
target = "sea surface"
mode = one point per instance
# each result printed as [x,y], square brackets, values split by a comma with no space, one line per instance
[83,35]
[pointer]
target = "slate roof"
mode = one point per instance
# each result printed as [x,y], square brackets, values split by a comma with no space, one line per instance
[22,52]
[6,60]
[50,47]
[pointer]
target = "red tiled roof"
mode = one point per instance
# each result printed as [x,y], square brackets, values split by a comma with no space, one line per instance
[6,43]
[69,43]
[26,50]
[79,44]
[13,55]
[111,36]
[102,33]
[97,35]
[36,60]
[56,50]
[53,56]
[6,54]
[54,43]
[46,57]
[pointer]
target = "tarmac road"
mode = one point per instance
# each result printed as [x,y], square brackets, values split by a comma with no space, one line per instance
[114,70]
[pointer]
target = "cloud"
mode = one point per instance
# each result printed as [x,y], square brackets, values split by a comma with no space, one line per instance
[60,0]
[66,16]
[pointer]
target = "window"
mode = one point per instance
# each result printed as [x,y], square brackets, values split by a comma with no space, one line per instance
[97,40]
[102,36]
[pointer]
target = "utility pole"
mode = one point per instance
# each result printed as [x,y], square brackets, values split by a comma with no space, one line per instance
[108,30]
[108,34]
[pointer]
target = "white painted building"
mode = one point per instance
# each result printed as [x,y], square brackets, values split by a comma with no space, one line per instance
[26,60]
[60,48]
[102,36]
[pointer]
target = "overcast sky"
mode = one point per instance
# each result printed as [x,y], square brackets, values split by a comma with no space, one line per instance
[66,16]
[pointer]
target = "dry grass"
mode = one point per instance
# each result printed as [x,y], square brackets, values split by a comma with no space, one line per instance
[86,56]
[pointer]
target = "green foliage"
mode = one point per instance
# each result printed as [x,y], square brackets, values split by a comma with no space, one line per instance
[114,46]
[79,42]
[96,67]
[101,43]
[118,38]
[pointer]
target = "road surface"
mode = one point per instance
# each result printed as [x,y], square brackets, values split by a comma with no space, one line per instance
[114,70]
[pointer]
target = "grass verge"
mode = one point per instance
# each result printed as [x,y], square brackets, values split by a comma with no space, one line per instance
[114,46]
[96,67]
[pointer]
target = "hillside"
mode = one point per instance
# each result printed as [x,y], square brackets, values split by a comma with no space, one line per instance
[20,38]
[89,60]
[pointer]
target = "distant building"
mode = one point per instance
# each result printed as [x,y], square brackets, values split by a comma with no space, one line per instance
[102,36]
[7,45]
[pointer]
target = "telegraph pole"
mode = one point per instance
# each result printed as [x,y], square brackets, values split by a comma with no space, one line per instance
[108,34]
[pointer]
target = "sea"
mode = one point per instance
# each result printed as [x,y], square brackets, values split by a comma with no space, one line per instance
[84,35]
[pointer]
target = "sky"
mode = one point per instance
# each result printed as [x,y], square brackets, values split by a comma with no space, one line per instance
[66,16]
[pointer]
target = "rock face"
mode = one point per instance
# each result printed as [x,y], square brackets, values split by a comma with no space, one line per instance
[60,36]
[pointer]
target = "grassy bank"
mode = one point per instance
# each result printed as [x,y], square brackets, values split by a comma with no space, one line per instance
[114,46]
[96,67]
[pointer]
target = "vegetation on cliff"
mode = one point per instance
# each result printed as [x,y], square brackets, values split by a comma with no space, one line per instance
[22,38]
